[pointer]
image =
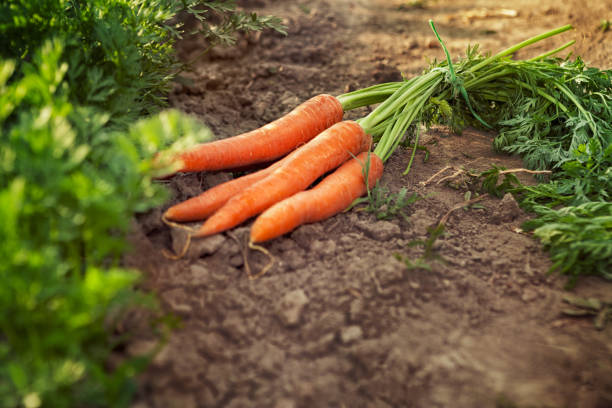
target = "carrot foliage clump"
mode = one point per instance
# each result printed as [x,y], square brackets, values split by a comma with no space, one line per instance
[554,112]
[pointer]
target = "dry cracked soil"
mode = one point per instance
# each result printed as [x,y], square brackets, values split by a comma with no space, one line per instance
[341,320]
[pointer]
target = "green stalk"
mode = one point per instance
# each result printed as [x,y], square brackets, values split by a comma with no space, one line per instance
[416,109]
[456,83]
[573,98]
[392,97]
[486,78]
[399,99]
[394,133]
[370,95]
[523,44]
[378,129]
[416,146]
[493,95]
[543,94]
[553,52]
[401,103]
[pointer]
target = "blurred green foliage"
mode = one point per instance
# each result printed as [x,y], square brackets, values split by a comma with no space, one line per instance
[68,189]
[76,163]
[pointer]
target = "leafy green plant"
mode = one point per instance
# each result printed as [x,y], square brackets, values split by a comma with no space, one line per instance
[429,252]
[229,20]
[384,204]
[579,237]
[380,201]
[119,52]
[586,178]
[75,165]
[577,146]
[490,181]
[68,190]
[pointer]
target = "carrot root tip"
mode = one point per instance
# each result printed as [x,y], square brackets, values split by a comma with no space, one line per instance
[169,255]
[266,268]
[176,257]
[173,224]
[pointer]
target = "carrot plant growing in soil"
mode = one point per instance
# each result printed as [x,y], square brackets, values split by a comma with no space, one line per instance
[75,79]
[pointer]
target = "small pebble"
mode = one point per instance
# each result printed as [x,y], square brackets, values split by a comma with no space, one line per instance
[380,230]
[529,295]
[351,334]
[290,307]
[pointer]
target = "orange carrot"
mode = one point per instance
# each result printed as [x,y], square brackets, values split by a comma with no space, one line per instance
[325,152]
[205,204]
[332,195]
[268,142]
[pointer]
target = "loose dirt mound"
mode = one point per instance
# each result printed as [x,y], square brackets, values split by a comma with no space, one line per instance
[340,320]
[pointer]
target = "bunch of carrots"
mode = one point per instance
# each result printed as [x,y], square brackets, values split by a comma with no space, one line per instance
[312,140]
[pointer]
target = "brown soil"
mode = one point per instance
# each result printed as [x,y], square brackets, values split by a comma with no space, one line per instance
[339,321]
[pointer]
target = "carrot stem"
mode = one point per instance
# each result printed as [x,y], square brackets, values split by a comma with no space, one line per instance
[398,111]
[522,44]
[370,95]
[553,52]
[416,146]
